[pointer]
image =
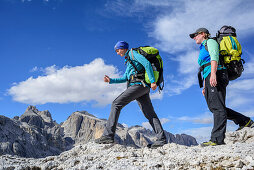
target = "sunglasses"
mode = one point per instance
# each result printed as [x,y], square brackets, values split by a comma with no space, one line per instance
[197,34]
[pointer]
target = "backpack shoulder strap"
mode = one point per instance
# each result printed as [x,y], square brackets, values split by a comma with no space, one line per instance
[206,46]
[234,45]
[129,60]
[132,54]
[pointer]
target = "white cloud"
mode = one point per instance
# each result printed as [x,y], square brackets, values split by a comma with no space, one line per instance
[249,69]
[243,85]
[147,125]
[239,93]
[164,120]
[51,70]
[177,85]
[46,71]
[156,95]
[137,7]
[201,134]
[206,118]
[186,76]
[188,63]
[249,65]
[249,113]
[69,84]
[156,3]
[34,69]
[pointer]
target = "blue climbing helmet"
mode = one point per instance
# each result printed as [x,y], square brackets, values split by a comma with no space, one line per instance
[121,45]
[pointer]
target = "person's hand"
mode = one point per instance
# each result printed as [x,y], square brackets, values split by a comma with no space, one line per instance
[213,81]
[106,79]
[203,91]
[154,86]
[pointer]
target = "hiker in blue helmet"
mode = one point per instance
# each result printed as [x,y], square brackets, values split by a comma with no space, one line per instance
[136,90]
[215,82]
[121,45]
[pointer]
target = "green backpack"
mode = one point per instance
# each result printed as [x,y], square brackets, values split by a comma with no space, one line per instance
[152,55]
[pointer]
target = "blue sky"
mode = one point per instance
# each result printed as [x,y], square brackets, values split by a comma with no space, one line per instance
[54,54]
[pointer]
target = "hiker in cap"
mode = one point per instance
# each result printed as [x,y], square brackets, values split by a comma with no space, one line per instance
[136,90]
[215,82]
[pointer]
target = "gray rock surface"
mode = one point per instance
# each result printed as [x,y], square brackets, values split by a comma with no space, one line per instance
[35,134]
[238,153]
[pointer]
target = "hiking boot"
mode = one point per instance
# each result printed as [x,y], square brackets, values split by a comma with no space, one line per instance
[210,143]
[104,140]
[249,124]
[156,144]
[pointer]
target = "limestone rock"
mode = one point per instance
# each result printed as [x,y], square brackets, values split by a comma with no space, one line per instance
[31,136]
[84,127]
[35,134]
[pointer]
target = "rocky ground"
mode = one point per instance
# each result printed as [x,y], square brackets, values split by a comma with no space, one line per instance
[238,153]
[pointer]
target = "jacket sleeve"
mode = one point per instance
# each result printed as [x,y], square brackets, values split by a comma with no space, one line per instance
[119,80]
[145,63]
[213,49]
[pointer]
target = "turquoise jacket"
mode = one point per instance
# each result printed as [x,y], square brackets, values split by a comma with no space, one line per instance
[140,62]
[206,56]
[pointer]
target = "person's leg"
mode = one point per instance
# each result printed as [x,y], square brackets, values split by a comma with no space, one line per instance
[146,106]
[130,94]
[237,117]
[215,98]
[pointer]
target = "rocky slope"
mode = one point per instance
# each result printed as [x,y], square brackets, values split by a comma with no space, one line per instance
[35,134]
[238,153]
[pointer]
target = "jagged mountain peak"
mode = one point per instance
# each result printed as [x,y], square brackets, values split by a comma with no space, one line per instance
[35,134]
[37,118]
[85,113]
[32,109]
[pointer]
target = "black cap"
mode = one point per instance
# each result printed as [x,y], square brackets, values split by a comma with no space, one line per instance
[199,31]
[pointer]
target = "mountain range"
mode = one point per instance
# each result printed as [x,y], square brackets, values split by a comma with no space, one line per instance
[35,134]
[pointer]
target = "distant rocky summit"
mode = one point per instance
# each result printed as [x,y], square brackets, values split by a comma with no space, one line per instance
[35,135]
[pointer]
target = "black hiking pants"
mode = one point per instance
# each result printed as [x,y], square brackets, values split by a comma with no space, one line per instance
[215,98]
[141,94]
